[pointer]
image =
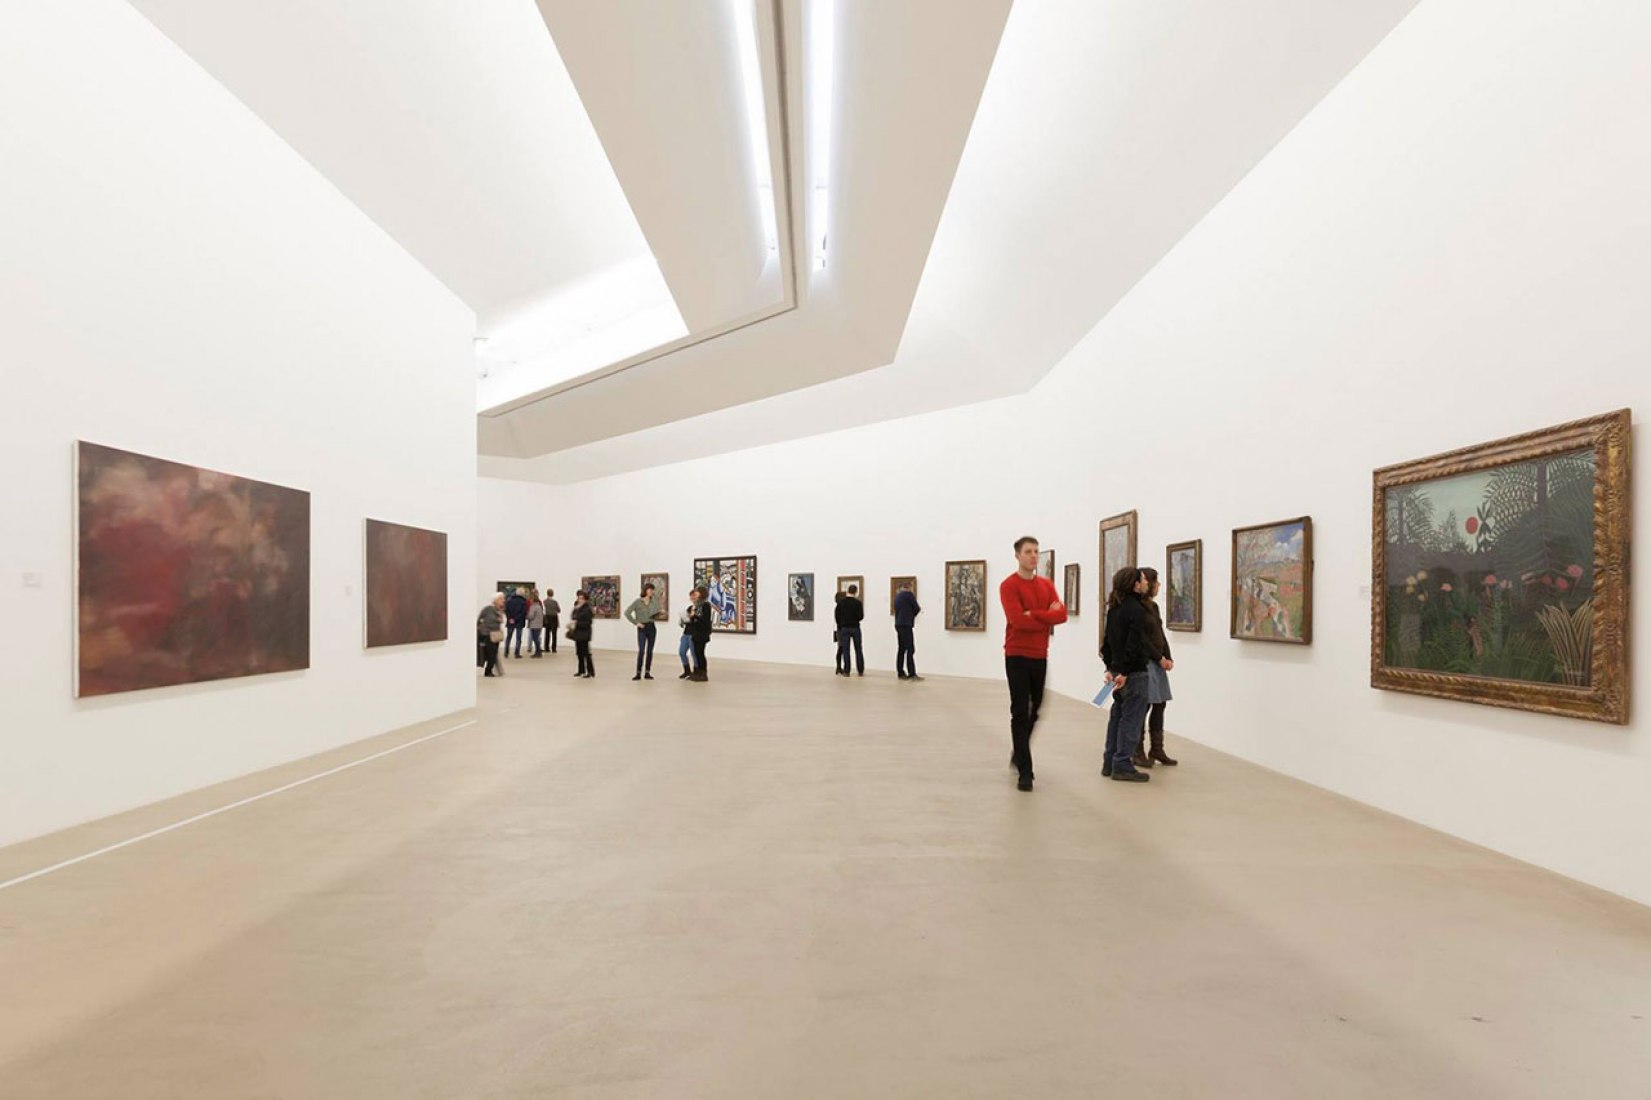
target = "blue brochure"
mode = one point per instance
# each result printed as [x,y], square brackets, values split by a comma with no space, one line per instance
[1103,695]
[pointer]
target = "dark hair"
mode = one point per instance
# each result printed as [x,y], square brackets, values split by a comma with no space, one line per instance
[1023,540]
[1149,573]
[1123,584]
[581,594]
[647,588]
[853,588]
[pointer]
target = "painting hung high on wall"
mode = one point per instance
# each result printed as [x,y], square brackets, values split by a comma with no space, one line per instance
[662,594]
[1071,594]
[1118,549]
[1272,582]
[799,605]
[1046,565]
[603,596]
[1501,572]
[897,583]
[966,595]
[1183,601]
[732,587]
[185,574]
[406,584]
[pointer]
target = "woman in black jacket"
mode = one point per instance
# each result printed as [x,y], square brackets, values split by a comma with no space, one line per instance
[580,617]
[1125,652]
[699,629]
[1159,662]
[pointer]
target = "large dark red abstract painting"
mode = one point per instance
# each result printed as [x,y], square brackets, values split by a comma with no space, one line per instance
[406,584]
[186,574]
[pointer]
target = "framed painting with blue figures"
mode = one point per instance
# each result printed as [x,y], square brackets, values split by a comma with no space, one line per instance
[1500,572]
[731,587]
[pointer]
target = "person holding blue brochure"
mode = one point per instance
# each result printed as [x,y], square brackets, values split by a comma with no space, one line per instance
[1124,650]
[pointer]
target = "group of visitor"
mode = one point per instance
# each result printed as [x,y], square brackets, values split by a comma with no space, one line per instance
[501,624]
[851,612]
[1134,650]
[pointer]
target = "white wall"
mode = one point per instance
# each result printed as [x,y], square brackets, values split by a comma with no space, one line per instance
[1455,246]
[176,281]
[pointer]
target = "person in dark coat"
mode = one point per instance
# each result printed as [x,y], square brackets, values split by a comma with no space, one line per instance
[1159,662]
[581,616]
[699,630]
[489,629]
[906,611]
[553,618]
[850,611]
[1125,653]
[515,617]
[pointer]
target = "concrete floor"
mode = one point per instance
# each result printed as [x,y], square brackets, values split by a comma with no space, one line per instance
[786,884]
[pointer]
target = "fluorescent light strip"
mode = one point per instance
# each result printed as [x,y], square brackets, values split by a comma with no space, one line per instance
[822,48]
[756,114]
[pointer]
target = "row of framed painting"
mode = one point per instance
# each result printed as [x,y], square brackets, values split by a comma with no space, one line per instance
[185,575]
[731,584]
[1499,573]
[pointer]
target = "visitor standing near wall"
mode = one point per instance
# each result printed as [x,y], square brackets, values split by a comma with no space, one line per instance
[685,648]
[1031,610]
[850,613]
[489,632]
[906,611]
[535,620]
[553,619]
[579,631]
[1125,652]
[1159,663]
[515,617]
[640,614]
[699,628]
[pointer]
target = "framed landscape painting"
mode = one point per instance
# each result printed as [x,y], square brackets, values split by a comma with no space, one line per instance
[406,584]
[1272,582]
[1118,549]
[895,584]
[1070,597]
[1500,572]
[185,574]
[799,589]
[603,594]
[966,595]
[1184,586]
[1046,565]
[732,587]
[662,594]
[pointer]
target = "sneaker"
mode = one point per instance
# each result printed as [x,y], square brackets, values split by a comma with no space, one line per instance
[1130,777]
[1024,783]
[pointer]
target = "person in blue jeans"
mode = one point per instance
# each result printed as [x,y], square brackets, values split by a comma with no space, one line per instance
[640,614]
[515,618]
[685,648]
[850,612]
[1125,651]
[906,611]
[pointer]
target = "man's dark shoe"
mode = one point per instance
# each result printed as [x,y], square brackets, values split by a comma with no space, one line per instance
[1140,759]
[1024,783]
[902,676]
[685,675]
[647,676]
[1130,777]
[638,676]
[1106,769]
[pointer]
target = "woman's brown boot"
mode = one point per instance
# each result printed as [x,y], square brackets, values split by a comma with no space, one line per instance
[1158,752]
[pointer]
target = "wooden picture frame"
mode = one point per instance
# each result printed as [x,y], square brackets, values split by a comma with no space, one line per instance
[1073,589]
[966,595]
[894,589]
[1184,610]
[1273,562]
[734,604]
[1125,541]
[859,584]
[1522,601]
[1046,565]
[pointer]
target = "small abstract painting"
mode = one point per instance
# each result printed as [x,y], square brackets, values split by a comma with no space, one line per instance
[1070,597]
[662,594]
[897,583]
[603,596]
[185,574]
[1118,550]
[966,595]
[1272,582]
[1501,572]
[732,587]
[406,584]
[1184,586]
[799,589]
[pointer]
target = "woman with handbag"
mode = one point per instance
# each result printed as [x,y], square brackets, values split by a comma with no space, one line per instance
[579,633]
[489,633]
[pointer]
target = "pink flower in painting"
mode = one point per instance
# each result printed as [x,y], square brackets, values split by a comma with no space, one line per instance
[1473,525]
[1444,588]
[1490,580]
[1562,584]
[1575,571]
[1549,581]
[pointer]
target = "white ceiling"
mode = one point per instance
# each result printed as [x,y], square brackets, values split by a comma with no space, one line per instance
[601,215]
[1106,131]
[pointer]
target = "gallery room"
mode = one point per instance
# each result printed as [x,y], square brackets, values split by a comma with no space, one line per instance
[841,548]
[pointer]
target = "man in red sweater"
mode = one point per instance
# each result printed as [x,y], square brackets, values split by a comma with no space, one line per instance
[1032,609]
